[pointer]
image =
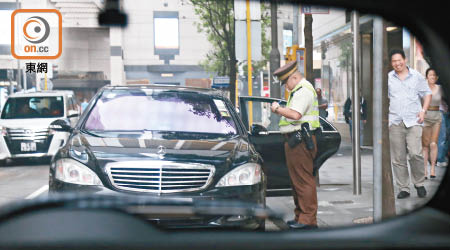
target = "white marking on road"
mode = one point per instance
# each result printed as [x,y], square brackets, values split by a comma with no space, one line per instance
[324,212]
[37,192]
[325,204]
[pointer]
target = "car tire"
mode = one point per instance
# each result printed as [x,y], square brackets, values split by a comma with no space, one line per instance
[3,163]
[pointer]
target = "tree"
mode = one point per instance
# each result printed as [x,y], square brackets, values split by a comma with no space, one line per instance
[217,21]
[309,48]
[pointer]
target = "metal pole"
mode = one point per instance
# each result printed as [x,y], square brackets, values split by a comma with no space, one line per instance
[274,53]
[356,106]
[19,80]
[378,33]
[295,27]
[249,64]
[25,87]
[261,80]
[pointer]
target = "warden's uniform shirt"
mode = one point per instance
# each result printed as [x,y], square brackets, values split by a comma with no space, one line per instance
[302,102]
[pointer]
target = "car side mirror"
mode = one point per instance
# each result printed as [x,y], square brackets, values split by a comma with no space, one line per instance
[72,114]
[259,130]
[60,125]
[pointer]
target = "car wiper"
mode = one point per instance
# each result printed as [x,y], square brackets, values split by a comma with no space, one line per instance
[193,135]
[145,206]
[89,133]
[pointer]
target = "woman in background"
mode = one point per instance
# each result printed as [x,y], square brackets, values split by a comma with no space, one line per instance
[432,124]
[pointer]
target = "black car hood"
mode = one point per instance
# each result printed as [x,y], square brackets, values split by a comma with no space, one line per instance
[217,151]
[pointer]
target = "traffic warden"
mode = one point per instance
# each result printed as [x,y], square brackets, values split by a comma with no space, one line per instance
[298,125]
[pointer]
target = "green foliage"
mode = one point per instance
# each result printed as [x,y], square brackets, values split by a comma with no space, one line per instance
[217,22]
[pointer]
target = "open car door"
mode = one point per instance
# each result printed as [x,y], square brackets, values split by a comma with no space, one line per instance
[264,133]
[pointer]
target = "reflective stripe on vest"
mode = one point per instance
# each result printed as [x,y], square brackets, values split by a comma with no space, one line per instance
[311,117]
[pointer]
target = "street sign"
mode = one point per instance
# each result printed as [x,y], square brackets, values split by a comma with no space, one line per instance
[241,40]
[221,82]
[240,28]
[240,10]
[310,9]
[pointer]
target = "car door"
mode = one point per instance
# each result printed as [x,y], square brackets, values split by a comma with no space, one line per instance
[271,144]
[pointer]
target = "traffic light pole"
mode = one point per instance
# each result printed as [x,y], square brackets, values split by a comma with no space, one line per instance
[249,63]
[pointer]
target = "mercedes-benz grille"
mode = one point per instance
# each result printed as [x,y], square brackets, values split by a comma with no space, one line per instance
[160,176]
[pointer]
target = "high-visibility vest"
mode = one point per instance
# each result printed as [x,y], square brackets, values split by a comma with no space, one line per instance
[311,117]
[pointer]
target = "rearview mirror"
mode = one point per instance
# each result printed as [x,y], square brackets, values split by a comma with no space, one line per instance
[60,125]
[112,16]
[259,130]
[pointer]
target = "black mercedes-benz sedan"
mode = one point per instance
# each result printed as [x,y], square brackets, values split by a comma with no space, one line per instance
[177,142]
[174,142]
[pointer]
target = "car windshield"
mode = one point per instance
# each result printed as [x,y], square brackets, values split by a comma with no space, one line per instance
[149,110]
[33,107]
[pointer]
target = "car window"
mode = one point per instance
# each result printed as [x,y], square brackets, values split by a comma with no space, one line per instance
[261,114]
[33,107]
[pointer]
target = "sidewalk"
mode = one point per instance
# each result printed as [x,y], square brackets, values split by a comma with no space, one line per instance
[337,204]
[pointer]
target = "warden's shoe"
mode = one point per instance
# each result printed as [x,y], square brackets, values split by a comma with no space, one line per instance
[301,226]
[421,192]
[402,195]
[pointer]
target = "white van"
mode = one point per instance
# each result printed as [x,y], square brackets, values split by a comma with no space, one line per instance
[25,120]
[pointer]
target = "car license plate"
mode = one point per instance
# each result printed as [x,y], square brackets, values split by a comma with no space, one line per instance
[27,146]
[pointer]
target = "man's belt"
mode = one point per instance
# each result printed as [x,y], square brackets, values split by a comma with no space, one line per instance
[299,136]
[287,135]
[433,108]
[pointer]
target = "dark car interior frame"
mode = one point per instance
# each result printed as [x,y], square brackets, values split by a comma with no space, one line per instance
[425,228]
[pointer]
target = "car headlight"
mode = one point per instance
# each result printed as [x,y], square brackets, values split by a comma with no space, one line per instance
[3,131]
[71,171]
[247,174]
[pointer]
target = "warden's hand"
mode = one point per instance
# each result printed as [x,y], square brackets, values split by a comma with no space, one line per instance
[274,106]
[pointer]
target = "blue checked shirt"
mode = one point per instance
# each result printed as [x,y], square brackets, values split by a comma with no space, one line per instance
[405,97]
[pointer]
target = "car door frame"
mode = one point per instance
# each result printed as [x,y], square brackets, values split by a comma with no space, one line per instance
[278,181]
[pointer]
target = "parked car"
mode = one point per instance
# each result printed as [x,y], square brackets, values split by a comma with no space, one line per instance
[176,142]
[25,121]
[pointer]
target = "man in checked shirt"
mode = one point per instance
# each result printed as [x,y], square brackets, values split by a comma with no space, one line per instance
[406,88]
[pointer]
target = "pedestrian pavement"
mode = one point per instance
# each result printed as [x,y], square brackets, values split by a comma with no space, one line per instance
[338,206]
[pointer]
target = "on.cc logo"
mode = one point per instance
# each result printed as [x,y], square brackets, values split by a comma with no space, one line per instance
[36,30]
